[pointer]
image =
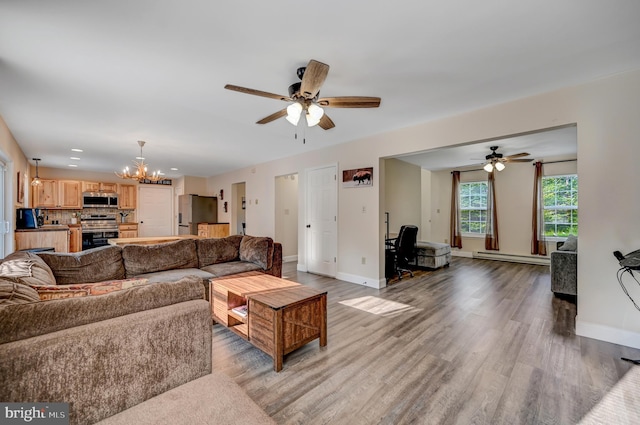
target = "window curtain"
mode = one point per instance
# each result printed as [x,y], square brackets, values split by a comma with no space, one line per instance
[538,244]
[455,232]
[491,232]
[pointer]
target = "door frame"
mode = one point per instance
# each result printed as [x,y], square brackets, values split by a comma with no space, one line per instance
[303,240]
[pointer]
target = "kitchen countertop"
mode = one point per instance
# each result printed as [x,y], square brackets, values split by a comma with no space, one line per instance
[47,228]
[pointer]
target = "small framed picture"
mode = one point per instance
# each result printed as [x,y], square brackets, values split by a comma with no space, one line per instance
[358,177]
[20,188]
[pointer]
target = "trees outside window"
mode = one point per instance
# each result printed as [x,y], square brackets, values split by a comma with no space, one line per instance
[560,198]
[473,207]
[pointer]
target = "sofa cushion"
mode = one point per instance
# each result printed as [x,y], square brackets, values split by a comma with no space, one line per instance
[39,272]
[16,293]
[258,250]
[56,292]
[93,265]
[218,250]
[570,244]
[140,259]
[231,267]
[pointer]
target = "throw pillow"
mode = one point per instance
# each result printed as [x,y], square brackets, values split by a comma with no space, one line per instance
[16,268]
[16,293]
[571,244]
[55,292]
[40,272]
[258,250]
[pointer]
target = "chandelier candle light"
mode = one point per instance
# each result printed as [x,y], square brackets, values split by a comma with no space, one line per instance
[140,170]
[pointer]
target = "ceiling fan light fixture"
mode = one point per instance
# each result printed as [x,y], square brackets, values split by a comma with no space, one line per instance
[499,166]
[314,113]
[488,167]
[293,113]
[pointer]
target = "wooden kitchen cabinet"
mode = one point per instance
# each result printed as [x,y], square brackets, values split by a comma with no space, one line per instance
[99,187]
[75,238]
[217,230]
[127,196]
[128,230]
[58,194]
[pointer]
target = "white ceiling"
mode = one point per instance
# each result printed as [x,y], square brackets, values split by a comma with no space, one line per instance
[101,75]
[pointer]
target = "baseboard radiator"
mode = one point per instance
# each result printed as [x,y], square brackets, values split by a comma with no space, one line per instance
[528,259]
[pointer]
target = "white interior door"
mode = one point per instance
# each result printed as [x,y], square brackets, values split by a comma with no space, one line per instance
[4,225]
[155,210]
[322,220]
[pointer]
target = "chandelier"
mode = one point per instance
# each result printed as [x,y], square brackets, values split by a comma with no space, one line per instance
[140,173]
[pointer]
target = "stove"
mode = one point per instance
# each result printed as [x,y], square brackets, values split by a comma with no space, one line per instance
[97,229]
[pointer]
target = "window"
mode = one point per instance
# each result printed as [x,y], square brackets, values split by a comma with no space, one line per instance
[560,198]
[473,207]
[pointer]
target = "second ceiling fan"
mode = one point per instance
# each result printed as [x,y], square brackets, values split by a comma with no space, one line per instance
[497,160]
[304,100]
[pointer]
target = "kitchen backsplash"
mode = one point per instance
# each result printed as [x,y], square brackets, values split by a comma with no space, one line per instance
[65,216]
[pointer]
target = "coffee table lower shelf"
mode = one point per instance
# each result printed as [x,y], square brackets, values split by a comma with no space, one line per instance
[282,316]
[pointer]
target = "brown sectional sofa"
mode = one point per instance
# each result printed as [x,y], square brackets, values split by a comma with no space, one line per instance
[104,354]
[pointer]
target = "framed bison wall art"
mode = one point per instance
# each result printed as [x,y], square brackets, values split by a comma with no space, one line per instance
[359,177]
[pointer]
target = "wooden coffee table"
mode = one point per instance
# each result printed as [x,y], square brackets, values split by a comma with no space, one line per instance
[281,317]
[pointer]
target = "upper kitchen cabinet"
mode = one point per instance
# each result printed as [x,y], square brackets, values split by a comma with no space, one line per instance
[58,194]
[127,196]
[99,187]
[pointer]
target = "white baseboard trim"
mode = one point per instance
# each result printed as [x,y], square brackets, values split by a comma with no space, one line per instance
[607,333]
[302,267]
[456,253]
[289,258]
[361,280]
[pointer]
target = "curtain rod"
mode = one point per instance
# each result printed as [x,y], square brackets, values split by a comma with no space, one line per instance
[555,162]
[550,162]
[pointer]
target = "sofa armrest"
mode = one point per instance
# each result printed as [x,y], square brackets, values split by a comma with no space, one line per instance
[276,267]
[107,366]
[564,272]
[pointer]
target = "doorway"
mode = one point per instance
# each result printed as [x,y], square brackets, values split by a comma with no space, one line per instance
[238,212]
[286,215]
[322,220]
[155,210]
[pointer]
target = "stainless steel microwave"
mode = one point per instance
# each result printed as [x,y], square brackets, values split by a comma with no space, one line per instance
[99,200]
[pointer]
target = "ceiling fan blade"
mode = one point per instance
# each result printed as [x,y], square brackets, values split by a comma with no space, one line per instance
[517,155]
[257,92]
[518,160]
[313,78]
[326,122]
[349,102]
[273,116]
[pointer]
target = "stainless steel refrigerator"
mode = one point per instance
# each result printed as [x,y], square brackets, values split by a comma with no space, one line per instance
[194,209]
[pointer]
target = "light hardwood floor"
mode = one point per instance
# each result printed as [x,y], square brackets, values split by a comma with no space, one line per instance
[485,342]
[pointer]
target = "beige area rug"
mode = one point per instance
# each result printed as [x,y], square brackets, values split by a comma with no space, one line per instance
[214,399]
[621,405]
[379,306]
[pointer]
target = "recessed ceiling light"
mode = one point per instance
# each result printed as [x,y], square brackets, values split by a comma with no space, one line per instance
[160,173]
[140,157]
[173,169]
[76,150]
[75,158]
[73,165]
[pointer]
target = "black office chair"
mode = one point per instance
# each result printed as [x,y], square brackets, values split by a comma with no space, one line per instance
[405,249]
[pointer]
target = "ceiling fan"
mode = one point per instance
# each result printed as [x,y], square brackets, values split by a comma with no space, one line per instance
[497,160]
[304,98]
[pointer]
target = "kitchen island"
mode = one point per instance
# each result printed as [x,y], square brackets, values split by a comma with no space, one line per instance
[149,240]
[54,236]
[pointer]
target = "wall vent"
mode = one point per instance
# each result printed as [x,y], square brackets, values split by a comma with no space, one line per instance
[527,259]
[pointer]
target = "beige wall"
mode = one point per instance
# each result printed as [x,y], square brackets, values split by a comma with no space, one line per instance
[14,158]
[403,195]
[286,215]
[605,112]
